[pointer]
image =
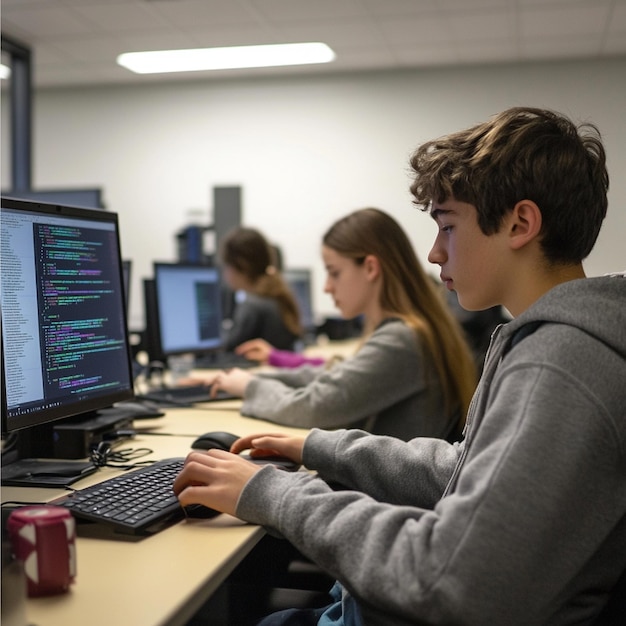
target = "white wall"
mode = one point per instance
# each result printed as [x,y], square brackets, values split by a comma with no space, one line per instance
[305,150]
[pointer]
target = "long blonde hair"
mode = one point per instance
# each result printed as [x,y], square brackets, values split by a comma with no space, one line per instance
[409,293]
[247,250]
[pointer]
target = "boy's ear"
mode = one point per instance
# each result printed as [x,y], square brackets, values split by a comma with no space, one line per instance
[524,223]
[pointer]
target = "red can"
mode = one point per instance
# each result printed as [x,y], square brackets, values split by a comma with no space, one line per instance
[43,538]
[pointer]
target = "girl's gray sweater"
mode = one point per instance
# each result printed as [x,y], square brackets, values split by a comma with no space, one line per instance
[389,387]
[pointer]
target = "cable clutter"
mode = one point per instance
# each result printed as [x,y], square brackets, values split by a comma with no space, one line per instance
[105,454]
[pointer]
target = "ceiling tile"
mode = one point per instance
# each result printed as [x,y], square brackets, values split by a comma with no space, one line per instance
[334,32]
[115,17]
[289,10]
[549,22]
[414,29]
[197,12]
[480,25]
[44,22]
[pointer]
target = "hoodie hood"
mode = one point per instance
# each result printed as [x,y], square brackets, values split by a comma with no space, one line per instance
[596,306]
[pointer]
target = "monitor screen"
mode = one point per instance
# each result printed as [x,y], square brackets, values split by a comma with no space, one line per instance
[299,281]
[64,338]
[189,310]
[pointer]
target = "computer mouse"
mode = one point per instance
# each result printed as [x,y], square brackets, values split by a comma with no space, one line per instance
[223,441]
[216,439]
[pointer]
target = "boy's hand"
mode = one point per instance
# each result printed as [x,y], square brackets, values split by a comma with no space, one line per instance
[271,444]
[214,479]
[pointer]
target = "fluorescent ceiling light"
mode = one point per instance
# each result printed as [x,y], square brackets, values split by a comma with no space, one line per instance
[5,71]
[159,61]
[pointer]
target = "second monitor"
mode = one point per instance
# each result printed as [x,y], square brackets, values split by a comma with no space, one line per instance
[189,312]
[188,301]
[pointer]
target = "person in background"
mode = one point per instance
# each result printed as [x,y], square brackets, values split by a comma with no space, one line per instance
[413,373]
[269,309]
[524,521]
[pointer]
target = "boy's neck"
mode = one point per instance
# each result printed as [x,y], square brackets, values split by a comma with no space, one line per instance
[536,284]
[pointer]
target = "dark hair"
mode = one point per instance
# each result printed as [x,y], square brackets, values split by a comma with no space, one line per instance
[522,154]
[247,251]
[409,293]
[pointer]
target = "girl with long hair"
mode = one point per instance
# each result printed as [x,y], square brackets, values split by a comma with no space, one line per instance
[412,374]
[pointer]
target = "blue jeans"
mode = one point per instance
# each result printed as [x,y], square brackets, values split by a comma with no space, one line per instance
[293,617]
[343,612]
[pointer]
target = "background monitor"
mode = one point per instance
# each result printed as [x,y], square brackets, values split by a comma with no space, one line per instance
[188,306]
[87,197]
[299,281]
[65,346]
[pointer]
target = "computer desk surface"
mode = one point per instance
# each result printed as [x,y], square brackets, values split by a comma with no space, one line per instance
[163,579]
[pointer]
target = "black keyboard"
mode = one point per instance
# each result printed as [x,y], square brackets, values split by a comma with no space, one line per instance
[185,395]
[139,502]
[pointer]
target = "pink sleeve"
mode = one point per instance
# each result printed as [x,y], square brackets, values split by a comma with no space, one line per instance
[284,358]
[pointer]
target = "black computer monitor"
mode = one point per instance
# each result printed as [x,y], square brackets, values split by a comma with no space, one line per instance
[188,307]
[65,351]
[299,281]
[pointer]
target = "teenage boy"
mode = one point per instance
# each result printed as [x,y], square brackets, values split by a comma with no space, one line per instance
[524,521]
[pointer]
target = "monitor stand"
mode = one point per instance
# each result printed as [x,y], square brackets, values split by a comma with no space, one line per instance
[45,472]
[53,455]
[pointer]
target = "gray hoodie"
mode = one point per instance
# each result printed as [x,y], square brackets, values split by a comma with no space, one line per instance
[524,522]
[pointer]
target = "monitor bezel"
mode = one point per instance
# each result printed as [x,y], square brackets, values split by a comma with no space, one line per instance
[85,405]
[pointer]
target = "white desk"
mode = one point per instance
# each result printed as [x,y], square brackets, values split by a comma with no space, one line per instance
[163,579]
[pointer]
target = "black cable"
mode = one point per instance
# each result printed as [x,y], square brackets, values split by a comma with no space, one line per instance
[103,455]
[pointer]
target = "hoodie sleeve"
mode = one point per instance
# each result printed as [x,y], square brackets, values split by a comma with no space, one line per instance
[383,467]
